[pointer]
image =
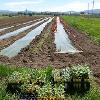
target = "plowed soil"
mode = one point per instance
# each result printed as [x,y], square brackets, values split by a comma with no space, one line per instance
[6,42]
[14,22]
[41,51]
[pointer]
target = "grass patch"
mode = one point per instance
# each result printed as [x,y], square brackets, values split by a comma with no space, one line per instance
[6,70]
[40,43]
[3,17]
[90,26]
[46,38]
[3,94]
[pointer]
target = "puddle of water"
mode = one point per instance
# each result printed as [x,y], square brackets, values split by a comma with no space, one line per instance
[63,43]
[16,32]
[16,47]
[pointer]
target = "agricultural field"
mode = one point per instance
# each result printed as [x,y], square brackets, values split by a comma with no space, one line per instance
[88,25]
[2,17]
[37,42]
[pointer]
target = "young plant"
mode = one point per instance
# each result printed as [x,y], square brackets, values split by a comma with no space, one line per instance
[56,73]
[45,91]
[29,88]
[59,90]
[48,72]
[15,77]
[18,77]
[66,74]
[80,71]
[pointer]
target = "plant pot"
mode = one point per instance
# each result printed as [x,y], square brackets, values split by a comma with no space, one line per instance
[69,88]
[86,76]
[14,87]
[79,85]
[78,79]
[76,82]
[28,96]
[85,85]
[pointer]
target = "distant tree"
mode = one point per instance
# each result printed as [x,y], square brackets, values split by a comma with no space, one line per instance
[10,15]
[82,13]
[20,13]
[30,14]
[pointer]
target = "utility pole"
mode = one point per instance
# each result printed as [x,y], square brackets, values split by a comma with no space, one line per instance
[26,11]
[88,8]
[93,7]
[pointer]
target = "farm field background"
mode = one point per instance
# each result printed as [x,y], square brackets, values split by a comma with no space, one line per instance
[49,49]
[85,24]
[40,52]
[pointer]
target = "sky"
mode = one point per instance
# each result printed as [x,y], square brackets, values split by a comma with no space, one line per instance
[48,5]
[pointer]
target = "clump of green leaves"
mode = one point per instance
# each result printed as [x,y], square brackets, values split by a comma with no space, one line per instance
[18,77]
[59,90]
[29,88]
[15,77]
[48,72]
[66,73]
[56,73]
[80,71]
[47,82]
[46,90]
